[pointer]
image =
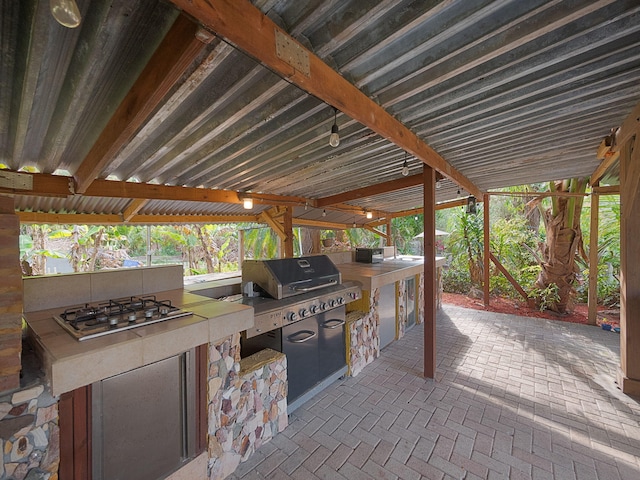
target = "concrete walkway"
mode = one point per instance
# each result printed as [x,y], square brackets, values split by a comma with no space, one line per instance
[514,398]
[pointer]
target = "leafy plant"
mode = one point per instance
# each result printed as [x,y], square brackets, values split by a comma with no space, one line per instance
[546,298]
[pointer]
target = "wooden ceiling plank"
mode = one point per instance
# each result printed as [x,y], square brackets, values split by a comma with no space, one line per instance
[246,27]
[391,186]
[180,47]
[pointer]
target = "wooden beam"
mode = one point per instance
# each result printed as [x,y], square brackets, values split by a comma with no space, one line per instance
[391,186]
[276,226]
[133,208]
[510,278]
[376,232]
[104,219]
[609,159]
[45,185]
[303,222]
[628,129]
[246,27]
[607,190]
[175,54]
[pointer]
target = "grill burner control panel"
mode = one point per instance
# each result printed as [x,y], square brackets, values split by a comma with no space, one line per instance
[297,308]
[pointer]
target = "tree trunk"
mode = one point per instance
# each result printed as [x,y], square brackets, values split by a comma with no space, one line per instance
[563,240]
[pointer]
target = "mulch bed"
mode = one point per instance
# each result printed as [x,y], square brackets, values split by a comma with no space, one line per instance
[606,315]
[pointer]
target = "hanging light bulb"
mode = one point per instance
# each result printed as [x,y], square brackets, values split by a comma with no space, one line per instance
[405,166]
[438,184]
[247,203]
[324,213]
[369,215]
[65,12]
[334,139]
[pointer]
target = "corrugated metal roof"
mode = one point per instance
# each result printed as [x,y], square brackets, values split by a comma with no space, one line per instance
[508,92]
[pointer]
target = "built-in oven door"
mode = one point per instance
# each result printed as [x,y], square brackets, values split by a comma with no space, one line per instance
[300,345]
[144,420]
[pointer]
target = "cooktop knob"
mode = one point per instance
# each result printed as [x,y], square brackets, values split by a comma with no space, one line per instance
[313,309]
[332,303]
[303,312]
[291,316]
[340,300]
[323,306]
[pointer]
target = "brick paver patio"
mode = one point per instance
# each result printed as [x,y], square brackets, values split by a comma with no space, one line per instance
[514,398]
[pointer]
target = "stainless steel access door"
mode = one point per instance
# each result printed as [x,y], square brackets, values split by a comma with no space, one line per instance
[144,420]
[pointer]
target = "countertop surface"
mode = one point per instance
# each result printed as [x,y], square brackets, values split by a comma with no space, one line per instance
[391,270]
[70,364]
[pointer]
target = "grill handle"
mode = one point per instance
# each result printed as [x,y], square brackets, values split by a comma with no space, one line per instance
[333,323]
[317,287]
[295,337]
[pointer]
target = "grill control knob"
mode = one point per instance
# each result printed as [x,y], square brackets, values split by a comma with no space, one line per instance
[291,316]
[323,306]
[340,300]
[313,309]
[303,312]
[332,303]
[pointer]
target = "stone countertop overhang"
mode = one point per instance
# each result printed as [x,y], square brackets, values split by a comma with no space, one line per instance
[70,364]
[375,275]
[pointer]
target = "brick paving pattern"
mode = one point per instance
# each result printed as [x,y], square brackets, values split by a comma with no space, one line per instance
[514,398]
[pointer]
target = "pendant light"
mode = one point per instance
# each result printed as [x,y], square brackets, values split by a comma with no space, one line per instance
[334,138]
[405,166]
[65,12]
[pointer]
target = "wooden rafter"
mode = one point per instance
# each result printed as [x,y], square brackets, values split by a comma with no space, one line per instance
[180,47]
[301,222]
[391,186]
[277,227]
[133,208]
[246,27]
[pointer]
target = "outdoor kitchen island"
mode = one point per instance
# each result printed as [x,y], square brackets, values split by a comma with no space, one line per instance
[392,302]
[234,408]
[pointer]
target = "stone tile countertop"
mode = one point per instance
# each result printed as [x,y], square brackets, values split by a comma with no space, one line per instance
[391,270]
[70,364]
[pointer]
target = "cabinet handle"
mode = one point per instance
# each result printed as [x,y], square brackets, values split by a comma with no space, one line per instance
[294,337]
[335,323]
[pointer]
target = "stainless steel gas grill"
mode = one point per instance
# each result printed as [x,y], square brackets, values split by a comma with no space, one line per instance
[95,320]
[299,306]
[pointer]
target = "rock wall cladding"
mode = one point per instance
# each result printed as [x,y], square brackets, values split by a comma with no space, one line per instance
[29,435]
[247,406]
[363,335]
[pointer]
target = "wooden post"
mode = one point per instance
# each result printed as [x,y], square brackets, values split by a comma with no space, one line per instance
[430,285]
[593,260]
[288,231]
[629,375]
[486,264]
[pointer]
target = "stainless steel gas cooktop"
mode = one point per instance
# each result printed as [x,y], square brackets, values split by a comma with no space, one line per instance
[95,320]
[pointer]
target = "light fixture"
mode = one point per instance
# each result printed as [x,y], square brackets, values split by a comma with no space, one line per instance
[324,213]
[405,166]
[438,184]
[247,203]
[334,138]
[369,215]
[65,12]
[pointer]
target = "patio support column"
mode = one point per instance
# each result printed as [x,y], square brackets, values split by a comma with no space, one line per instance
[429,204]
[288,232]
[592,301]
[629,375]
[486,265]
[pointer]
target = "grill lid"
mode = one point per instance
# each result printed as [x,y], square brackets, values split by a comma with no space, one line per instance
[285,277]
